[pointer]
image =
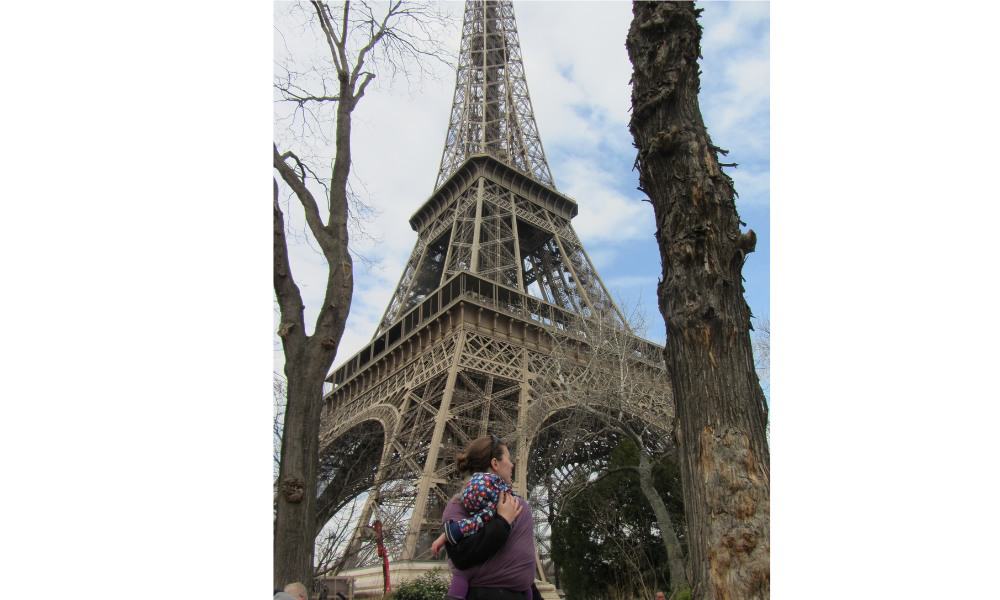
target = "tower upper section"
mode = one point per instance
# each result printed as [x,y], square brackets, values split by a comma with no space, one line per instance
[495,214]
[491,112]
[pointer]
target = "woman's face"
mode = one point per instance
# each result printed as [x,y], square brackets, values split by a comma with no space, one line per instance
[503,467]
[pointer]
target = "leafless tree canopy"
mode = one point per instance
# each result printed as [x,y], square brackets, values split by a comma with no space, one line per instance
[383,41]
[356,42]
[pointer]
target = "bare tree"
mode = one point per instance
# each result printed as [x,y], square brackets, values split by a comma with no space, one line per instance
[721,410]
[332,541]
[360,38]
[617,386]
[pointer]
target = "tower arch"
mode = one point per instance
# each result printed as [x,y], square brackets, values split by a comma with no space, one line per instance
[349,458]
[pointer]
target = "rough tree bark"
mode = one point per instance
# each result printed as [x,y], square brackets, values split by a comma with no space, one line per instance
[721,410]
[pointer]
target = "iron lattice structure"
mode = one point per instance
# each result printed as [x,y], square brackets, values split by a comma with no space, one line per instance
[490,317]
[491,111]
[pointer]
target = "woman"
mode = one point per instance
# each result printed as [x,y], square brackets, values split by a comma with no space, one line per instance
[498,561]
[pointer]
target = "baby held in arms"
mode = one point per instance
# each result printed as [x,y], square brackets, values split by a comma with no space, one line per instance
[479,498]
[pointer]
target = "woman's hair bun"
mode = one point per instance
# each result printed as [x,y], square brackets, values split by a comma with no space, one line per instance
[479,453]
[462,461]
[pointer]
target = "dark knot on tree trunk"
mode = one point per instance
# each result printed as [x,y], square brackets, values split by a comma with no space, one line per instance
[747,242]
[294,489]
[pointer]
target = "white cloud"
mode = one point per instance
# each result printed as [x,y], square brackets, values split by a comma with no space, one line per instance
[579,63]
[735,97]
[750,77]
[746,95]
[605,214]
[731,24]
[602,256]
[753,187]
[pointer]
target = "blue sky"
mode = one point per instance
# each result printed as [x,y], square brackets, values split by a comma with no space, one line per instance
[578,76]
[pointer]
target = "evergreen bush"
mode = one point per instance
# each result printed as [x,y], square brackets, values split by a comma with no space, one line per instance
[432,585]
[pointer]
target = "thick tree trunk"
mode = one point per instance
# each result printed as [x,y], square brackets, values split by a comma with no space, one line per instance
[296,498]
[675,554]
[721,411]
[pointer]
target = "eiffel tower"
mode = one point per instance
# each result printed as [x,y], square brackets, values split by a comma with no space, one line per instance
[465,343]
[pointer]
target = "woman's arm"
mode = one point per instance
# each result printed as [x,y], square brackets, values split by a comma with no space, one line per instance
[481,546]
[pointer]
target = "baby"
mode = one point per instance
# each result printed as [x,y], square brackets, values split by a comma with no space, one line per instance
[479,498]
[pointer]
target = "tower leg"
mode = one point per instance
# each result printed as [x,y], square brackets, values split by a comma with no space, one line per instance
[523,439]
[430,465]
[523,445]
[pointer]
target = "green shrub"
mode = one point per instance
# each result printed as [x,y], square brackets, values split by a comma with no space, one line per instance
[432,585]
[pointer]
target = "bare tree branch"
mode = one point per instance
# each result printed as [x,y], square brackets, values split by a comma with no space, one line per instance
[302,192]
[376,36]
[335,44]
[292,329]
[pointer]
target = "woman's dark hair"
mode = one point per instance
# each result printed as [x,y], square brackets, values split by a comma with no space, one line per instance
[479,454]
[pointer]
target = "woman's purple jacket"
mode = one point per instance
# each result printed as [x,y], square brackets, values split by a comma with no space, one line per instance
[512,567]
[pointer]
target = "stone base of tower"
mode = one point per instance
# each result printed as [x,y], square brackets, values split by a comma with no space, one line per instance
[368,581]
[548,591]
